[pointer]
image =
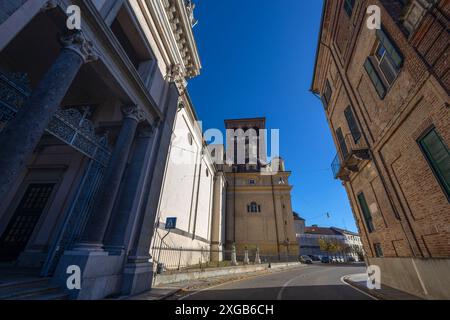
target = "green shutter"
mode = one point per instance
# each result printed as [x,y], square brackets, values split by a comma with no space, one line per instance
[342,144]
[438,156]
[376,80]
[366,212]
[353,126]
[395,55]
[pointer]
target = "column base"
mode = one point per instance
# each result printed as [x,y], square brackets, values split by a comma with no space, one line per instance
[115,250]
[101,273]
[88,247]
[137,277]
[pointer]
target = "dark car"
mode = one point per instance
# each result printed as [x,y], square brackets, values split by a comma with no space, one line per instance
[351,259]
[325,260]
[313,257]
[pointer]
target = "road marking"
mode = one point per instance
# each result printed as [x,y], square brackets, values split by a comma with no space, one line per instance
[280,294]
[363,292]
[235,281]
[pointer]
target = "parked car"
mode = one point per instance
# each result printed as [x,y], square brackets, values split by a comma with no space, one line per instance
[351,259]
[305,259]
[325,260]
[337,260]
[313,257]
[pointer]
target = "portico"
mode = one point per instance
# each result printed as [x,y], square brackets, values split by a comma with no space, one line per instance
[82,132]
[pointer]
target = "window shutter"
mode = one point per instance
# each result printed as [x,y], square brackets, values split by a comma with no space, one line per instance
[438,156]
[366,212]
[342,144]
[375,78]
[353,126]
[396,56]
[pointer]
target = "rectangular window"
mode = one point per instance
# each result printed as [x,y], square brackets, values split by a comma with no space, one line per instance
[348,7]
[353,126]
[384,64]
[375,78]
[390,50]
[327,95]
[378,250]
[366,212]
[438,156]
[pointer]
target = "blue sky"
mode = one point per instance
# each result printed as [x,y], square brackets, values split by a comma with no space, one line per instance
[258,58]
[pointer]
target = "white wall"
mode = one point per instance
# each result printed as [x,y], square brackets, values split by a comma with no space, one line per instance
[184,181]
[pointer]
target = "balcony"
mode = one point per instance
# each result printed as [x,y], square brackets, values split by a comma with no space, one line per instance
[351,153]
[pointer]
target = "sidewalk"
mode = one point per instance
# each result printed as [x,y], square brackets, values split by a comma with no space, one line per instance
[166,291]
[359,281]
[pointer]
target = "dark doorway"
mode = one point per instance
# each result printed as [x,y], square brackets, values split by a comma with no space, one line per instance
[24,220]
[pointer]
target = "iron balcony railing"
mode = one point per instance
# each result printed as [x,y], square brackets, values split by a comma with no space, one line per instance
[336,166]
[352,149]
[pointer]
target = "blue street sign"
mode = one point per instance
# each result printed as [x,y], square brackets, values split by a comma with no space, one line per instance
[171,223]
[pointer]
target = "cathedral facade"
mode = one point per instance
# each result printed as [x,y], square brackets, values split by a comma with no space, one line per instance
[86,120]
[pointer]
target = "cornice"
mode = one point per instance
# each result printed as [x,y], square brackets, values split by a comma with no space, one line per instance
[181,25]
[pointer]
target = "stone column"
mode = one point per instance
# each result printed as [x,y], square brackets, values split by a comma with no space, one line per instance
[21,136]
[125,214]
[138,272]
[97,224]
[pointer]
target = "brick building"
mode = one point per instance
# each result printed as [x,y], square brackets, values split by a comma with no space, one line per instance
[385,94]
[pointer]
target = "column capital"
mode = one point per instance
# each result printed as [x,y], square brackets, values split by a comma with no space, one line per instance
[133,112]
[49,5]
[78,43]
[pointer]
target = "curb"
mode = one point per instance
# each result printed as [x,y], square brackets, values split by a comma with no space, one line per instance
[383,294]
[170,294]
[369,292]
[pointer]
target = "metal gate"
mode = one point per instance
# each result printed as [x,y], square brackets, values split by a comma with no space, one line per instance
[71,126]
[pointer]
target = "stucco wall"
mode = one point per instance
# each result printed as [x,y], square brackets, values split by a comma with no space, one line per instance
[426,278]
[187,191]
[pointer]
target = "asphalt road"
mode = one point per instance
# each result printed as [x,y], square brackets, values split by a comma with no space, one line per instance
[314,282]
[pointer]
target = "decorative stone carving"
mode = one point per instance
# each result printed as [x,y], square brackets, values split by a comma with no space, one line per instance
[233,255]
[49,5]
[257,257]
[78,43]
[175,75]
[190,7]
[133,112]
[176,16]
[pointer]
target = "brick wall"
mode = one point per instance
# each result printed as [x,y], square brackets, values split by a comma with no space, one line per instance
[411,212]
